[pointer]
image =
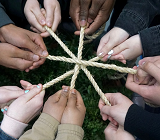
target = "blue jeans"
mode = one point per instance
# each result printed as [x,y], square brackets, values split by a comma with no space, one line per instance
[4,136]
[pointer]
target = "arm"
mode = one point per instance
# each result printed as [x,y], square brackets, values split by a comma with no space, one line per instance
[44,128]
[137,15]
[4,19]
[150,41]
[143,124]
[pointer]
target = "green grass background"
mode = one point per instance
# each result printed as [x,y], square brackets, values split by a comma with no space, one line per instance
[93,123]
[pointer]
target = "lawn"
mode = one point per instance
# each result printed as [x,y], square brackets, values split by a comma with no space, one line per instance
[93,124]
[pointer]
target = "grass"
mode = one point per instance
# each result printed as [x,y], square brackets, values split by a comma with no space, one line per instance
[93,124]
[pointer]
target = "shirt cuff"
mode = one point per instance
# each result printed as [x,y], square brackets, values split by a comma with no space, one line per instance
[12,127]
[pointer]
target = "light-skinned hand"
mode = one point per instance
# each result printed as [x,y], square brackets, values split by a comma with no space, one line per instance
[108,42]
[90,13]
[29,41]
[37,19]
[55,105]
[75,110]
[142,77]
[25,107]
[149,92]
[128,50]
[116,113]
[8,93]
[114,132]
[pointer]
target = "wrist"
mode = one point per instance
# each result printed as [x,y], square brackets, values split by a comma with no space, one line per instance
[12,127]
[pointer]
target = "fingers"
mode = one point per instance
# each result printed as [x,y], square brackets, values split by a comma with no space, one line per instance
[64,95]
[94,9]
[151,69]
[72,98]
[32,93]
[27,55]
[84,9]
[37,46]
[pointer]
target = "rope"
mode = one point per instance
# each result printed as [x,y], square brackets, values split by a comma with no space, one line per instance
[93,64]
[81,64]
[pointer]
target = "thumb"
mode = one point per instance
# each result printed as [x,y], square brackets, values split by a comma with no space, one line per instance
[151,69]
[106,110]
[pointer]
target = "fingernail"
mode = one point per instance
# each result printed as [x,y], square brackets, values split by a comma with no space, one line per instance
[43,21]
[101,54]
[83,23]
[2,110]
[35,57]
[143,63]
[38,86]
[5,109]
[137,79]
[73,92]
[65,89]
[44,53]
[26,91]
[90,20]
[109,56]
[110,52]
[49,23]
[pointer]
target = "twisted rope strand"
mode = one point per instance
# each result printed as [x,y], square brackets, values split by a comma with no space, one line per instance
[93,64]
[82,64]
[77,67]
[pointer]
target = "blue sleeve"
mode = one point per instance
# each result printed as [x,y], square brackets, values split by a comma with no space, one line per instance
[4,136]
[4,18]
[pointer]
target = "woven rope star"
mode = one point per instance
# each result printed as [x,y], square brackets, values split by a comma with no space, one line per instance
[81,64]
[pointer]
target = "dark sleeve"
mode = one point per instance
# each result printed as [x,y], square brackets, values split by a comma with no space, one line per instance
[4,136]
[137,15]
[143,124]
[150,39]
[4,19]
[14,7]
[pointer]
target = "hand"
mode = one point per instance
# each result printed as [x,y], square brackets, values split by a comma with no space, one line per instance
[128,50]
[113,132]
[50,16]
[118,109]
[113,38]
[75,110]
[26,107]
[13,57]
[8,93]
[24,39]
[142,77]
[55,105]
[149,92]
[93,16]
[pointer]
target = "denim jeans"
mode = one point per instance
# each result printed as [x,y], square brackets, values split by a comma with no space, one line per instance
[4,136]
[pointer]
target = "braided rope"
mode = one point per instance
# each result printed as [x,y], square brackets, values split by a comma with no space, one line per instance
[81,64]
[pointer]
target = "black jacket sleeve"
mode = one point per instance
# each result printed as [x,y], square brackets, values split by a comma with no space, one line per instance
[4,19]
[150,39]
[143,124]
[137,15]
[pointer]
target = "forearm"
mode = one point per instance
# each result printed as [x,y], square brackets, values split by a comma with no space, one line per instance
[11,127]
[150,39]
[143,124]
[44,128]
[137,15]
[70,132]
